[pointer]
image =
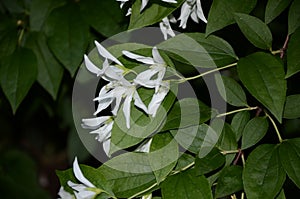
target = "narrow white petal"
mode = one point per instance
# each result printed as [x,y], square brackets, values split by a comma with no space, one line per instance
[103,104]
[76,187]
[144,4]
[158,98]
[118,93]
[85,194]
[145,76]
[94,122]
[140,58]
[106,146]
[79,175]
[144,147]
[194,16]
[156,56]
[149,196]
[163,30]
[90,66]
[126,109]
[129,11]
[104,53]
[170,1]
[64,194]
[139,103]
[103,132]
[184,15]
[200,12]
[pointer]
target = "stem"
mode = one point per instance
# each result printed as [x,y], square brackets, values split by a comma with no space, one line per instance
[21,37]
[137,194]
[276,52]
[275,127]
[206,73]
[236,111]
[238,157]
[284,47]
[243,159]
[184,168]
[229,152]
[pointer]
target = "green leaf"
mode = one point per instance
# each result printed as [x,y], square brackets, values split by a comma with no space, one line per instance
[227,142]
[50,71]
[163,155]
[254,131]
[184,161]
[281,195]
[128,174]
[256,31]
[186,185]
[8,36]
[141,125]
[263,75]
[239,122]
[289,152]
[154,13]
[15,7]
[68,36]
[274,8]
[187,112]
[263,175]
[105,16]
[293,53]
[197,139]
[226,9]
[231,91]
[294,17]
[210,162]
[40,10]
[197,50]
[230,181]
[17,74]
[292,107]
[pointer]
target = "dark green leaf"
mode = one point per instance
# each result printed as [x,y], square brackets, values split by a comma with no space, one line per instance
[68,36]
[289,152]
[197,139]
[294,17]
[281,195]
[163,155]
[274,8]
[184,161]
[16,6]
[187,112]
[263,75]
[40,10]
[8,36]
[231,91]
[293,53]
[105,16]
[226,9]
[239,122]
[196,50]
[186,185]
[17,74]
[263,175]
[50,71]
[256,31]
[210,162]
[292,107]
[254,131]
[154,13]
[230,181]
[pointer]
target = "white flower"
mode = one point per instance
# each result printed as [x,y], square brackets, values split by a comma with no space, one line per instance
[191,8]
[145,2]
[158,97]
[144,147]
[158,67]
[109,72]
[129,11]
[166,28]
[122,2]
[149,196]
[82,191]
[64,194]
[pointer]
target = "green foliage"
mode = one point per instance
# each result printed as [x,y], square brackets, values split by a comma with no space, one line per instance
[293,63]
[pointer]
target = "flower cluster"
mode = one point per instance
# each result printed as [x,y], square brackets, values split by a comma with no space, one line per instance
[190,8]
[119,90]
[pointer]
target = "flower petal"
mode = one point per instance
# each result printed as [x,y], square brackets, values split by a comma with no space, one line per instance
[90,66]
[79,175]
[144,4]
[93,123]
[170,1]
[140,58]
[126,109]
[139,103]
[200,12]
[156,56]
[103,132]
[184,15]
[145,146]
[106,146]
[104,53]
[157,98]
[64,194]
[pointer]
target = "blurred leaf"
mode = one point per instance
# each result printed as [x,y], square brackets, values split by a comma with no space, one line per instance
[231,91]
[186,185]
[256,31]
[275,8]
[254,131]
[281,195]
[163,155]
[230,181]
[105,16]
[14,6]
[50,71]
[68,36]
[289,152]
[154,13]
[239,122]
[292,107]
[18,177]
[17,74]
[187,112]
[293,53]
[294,17]
[40,10]
[8,36]
[263,75]
[226,9]
[210,162]
[200,51]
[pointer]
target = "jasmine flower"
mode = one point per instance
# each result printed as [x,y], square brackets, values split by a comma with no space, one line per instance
[166,28]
